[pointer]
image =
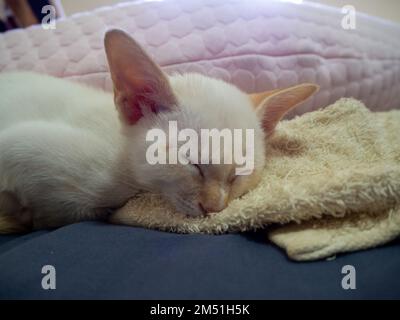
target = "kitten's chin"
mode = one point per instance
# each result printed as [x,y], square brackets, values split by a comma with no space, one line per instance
[192,212]
[187,208]
[195,214]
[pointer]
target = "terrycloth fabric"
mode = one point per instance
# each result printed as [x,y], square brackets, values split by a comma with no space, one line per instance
[324,238]
[257,45]
[340,164]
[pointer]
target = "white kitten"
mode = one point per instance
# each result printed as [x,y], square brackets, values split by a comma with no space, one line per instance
[67,154]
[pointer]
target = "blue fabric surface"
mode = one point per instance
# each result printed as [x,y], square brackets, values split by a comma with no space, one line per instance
[95,260]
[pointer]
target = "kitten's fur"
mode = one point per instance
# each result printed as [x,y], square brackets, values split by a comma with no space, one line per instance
[66,154]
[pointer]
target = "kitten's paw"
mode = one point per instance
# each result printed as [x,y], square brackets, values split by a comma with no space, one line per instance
[14,218]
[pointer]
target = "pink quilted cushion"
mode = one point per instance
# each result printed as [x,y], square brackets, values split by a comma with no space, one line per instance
[257,45]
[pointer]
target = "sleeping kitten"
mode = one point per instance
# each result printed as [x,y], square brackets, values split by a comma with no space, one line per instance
[67,155]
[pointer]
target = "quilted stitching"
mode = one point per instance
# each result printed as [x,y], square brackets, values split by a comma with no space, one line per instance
[257,45]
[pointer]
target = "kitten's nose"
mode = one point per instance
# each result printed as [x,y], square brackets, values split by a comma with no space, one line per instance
[214,197]
[211,207]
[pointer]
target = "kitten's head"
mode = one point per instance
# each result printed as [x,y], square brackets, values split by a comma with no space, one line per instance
[147,99]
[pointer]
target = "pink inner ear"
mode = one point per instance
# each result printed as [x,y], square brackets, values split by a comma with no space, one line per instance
[271,120]
[275,110]
[144,98]
[131,106]
[131,111]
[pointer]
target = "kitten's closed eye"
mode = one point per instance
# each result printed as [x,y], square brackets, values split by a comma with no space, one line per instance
[232,179]
[198,168]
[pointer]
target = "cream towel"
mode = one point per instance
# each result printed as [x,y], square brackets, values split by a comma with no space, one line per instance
[332,175]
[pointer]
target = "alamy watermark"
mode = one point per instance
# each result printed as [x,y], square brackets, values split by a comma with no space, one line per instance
[349,280]
[49,20]
[238,147]
[49,280]
[349,21]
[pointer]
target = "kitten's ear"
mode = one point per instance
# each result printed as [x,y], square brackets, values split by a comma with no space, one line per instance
[139,84]
[271,106]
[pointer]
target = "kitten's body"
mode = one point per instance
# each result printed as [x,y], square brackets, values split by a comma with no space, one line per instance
[63,146]
[59,145]
[66,153]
